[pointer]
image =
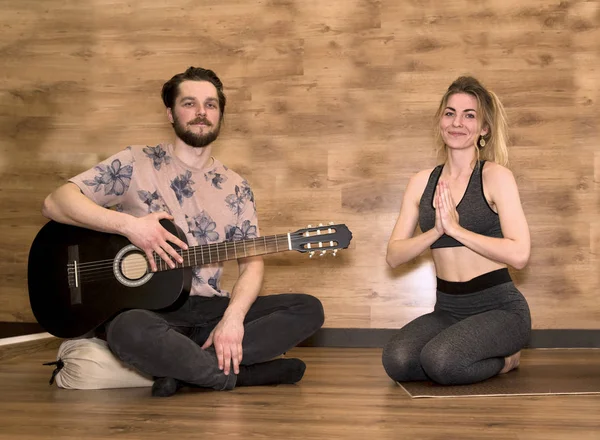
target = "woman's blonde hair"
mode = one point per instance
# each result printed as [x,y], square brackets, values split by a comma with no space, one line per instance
[490,113]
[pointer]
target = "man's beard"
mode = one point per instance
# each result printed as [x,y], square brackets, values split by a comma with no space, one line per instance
[193,139]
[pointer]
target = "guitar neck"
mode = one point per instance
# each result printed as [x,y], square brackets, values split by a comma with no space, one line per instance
[229,250]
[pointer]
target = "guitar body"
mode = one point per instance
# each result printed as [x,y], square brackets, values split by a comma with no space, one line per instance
[75,283]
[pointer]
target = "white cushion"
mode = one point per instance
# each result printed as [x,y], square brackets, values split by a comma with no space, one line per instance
[90,365]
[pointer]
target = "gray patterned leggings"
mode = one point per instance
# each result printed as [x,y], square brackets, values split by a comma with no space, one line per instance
[474,325]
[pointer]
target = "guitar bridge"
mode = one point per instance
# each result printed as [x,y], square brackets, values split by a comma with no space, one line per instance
[73,274]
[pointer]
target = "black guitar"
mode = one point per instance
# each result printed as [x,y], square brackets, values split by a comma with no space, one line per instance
[79,278]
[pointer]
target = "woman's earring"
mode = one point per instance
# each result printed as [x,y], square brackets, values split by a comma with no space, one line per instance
[481,142]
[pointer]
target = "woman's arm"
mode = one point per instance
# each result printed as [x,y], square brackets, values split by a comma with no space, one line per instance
[403,245]
[514,248]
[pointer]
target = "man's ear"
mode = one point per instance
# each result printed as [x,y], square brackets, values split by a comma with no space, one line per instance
[170,115]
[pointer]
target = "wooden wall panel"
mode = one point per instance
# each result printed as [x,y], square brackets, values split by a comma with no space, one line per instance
[330,112]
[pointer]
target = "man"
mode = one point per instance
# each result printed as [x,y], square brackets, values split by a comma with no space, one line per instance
[216,339]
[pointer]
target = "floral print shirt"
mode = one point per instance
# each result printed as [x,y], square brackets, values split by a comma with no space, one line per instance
[210,205]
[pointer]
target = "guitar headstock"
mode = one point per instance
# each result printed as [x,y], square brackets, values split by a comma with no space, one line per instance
[320,239]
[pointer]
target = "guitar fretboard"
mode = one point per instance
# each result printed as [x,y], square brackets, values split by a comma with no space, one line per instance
[229,250]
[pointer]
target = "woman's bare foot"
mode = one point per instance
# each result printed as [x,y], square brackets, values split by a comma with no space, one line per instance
[511,362]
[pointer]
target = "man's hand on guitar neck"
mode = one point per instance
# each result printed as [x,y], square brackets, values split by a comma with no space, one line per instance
[148,234]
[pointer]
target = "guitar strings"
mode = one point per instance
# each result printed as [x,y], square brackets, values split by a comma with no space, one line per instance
[108,273]
[212,248]
[103,269]
[234,244]
[199,256]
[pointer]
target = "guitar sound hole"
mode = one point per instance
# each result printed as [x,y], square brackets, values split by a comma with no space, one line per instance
[134,266]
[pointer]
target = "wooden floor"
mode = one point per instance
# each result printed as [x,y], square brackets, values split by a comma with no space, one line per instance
[345,394]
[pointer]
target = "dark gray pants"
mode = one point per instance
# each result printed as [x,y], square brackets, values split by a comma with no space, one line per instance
[465,339]
[168,344]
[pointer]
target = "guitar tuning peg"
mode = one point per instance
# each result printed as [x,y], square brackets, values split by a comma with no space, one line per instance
[322,253]
[309,226]
[334,253]
[320,224]
[331,223]
[311,254]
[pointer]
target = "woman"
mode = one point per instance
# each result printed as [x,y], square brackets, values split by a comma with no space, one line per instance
[470,215]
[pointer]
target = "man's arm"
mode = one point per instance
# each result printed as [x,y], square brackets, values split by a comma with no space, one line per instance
[69,205]
[227,336]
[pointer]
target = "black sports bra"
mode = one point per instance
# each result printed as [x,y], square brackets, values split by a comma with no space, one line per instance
[475,214]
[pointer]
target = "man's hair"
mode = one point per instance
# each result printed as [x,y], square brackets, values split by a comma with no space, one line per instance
[170,89]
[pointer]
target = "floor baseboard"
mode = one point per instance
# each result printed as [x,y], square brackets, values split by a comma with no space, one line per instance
[377,338]
[330,337]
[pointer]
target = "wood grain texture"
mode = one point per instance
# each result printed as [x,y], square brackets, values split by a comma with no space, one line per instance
[24,348]
[344,394]
[330,110]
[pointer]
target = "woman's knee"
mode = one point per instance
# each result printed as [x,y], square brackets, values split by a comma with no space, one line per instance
[441,365]
[399,361]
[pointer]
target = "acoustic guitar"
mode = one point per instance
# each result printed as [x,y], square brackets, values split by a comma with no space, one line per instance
[79,278]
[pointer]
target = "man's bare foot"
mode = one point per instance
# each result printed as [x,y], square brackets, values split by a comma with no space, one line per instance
[511,362]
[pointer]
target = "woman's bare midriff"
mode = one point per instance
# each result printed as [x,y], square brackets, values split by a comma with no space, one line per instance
[461,264]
